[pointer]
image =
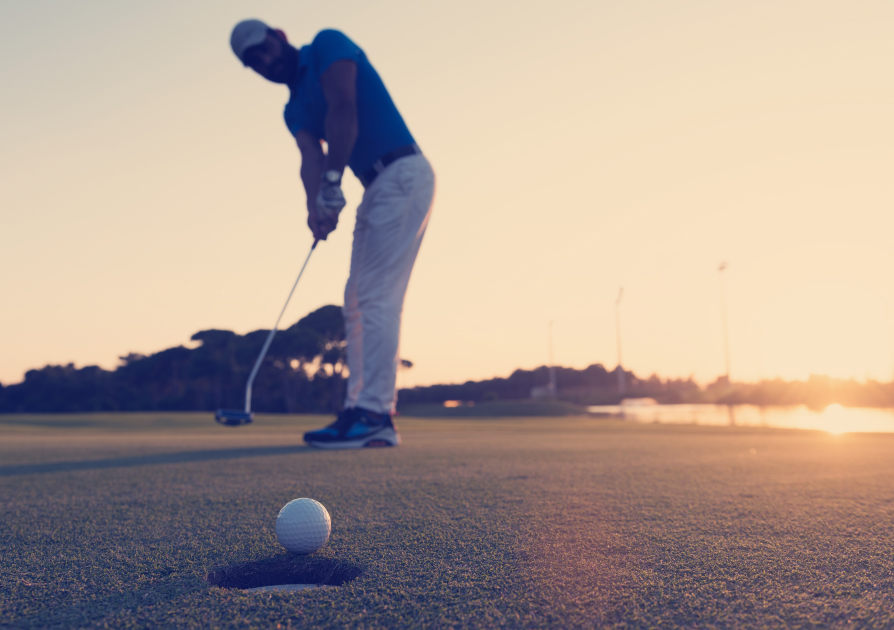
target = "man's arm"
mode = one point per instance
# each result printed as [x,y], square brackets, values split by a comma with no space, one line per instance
[312,168]
[339,84]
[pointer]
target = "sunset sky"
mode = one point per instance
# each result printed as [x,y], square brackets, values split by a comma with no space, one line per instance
[149,187]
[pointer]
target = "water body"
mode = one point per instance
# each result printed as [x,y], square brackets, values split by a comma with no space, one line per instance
[834,418]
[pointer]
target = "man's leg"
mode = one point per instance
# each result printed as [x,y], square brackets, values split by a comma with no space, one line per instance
[391,222]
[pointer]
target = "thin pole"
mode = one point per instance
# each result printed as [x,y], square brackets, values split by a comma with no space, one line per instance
[618,337]
[552,365]
[721,269]
[891,344]
[254,370]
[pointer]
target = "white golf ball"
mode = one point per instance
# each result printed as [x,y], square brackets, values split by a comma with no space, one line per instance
[303,526]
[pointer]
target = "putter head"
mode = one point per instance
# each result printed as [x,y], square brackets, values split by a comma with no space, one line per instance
[232,418]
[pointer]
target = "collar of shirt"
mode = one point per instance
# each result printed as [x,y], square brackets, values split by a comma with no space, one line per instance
[303,63]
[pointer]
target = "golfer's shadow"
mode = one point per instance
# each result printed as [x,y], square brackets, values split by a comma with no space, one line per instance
[153,460]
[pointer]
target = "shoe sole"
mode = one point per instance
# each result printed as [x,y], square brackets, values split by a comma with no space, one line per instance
[383,439]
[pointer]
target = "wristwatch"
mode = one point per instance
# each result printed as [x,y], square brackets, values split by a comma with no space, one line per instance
[332,176]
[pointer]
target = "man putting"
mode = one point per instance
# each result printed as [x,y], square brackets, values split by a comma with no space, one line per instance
[338,97]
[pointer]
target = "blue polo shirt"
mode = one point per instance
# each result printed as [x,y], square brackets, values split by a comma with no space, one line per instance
[381,127]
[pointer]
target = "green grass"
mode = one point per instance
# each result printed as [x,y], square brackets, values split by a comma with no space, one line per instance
[115,521]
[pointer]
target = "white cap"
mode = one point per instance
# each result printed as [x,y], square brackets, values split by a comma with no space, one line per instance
[246,34]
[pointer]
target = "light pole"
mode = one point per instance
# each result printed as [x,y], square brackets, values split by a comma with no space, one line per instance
[891,344]
[552,365]
[620,369]
[720,270]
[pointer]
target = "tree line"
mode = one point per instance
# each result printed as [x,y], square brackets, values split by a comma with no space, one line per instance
[305,371]
[595,385]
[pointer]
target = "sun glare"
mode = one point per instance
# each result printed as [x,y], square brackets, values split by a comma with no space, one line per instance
[835,419]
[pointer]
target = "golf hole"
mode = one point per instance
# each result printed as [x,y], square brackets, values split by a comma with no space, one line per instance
[285,575]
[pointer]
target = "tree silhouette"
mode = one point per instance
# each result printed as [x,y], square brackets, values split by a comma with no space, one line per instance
[302,372]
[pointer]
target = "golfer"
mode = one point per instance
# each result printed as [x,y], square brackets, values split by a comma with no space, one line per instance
[338,98]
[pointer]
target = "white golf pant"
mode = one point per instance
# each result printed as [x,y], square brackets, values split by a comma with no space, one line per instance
[391,222]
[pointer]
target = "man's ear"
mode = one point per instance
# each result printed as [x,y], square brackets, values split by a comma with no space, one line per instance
[281,34]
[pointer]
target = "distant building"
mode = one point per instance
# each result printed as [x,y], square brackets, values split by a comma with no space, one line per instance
[543,391]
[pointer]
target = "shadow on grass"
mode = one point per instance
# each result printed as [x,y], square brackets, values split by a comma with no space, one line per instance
[66,611]
[268,572]
[285,570]
[151,460]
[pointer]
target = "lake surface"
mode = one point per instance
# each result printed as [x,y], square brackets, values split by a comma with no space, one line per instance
[834,418]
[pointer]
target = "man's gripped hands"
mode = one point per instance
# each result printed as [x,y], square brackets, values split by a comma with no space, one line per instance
[322,216]
[321,172]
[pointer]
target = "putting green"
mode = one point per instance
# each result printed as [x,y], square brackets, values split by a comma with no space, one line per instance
[116,520]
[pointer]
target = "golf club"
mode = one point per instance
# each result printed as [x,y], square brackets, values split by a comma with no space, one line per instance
[234,417]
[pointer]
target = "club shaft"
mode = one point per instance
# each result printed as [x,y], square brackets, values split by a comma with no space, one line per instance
[269,340]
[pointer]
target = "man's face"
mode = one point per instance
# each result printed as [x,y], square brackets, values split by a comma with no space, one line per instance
[271,59]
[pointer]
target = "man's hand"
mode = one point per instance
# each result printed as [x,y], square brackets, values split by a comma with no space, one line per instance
[330,199]
[328,204]
[313,222]
[320,227]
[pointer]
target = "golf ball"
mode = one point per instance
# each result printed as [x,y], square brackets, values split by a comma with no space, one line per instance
[303,526]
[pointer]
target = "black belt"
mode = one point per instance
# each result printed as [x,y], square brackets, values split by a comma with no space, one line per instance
[366,177]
